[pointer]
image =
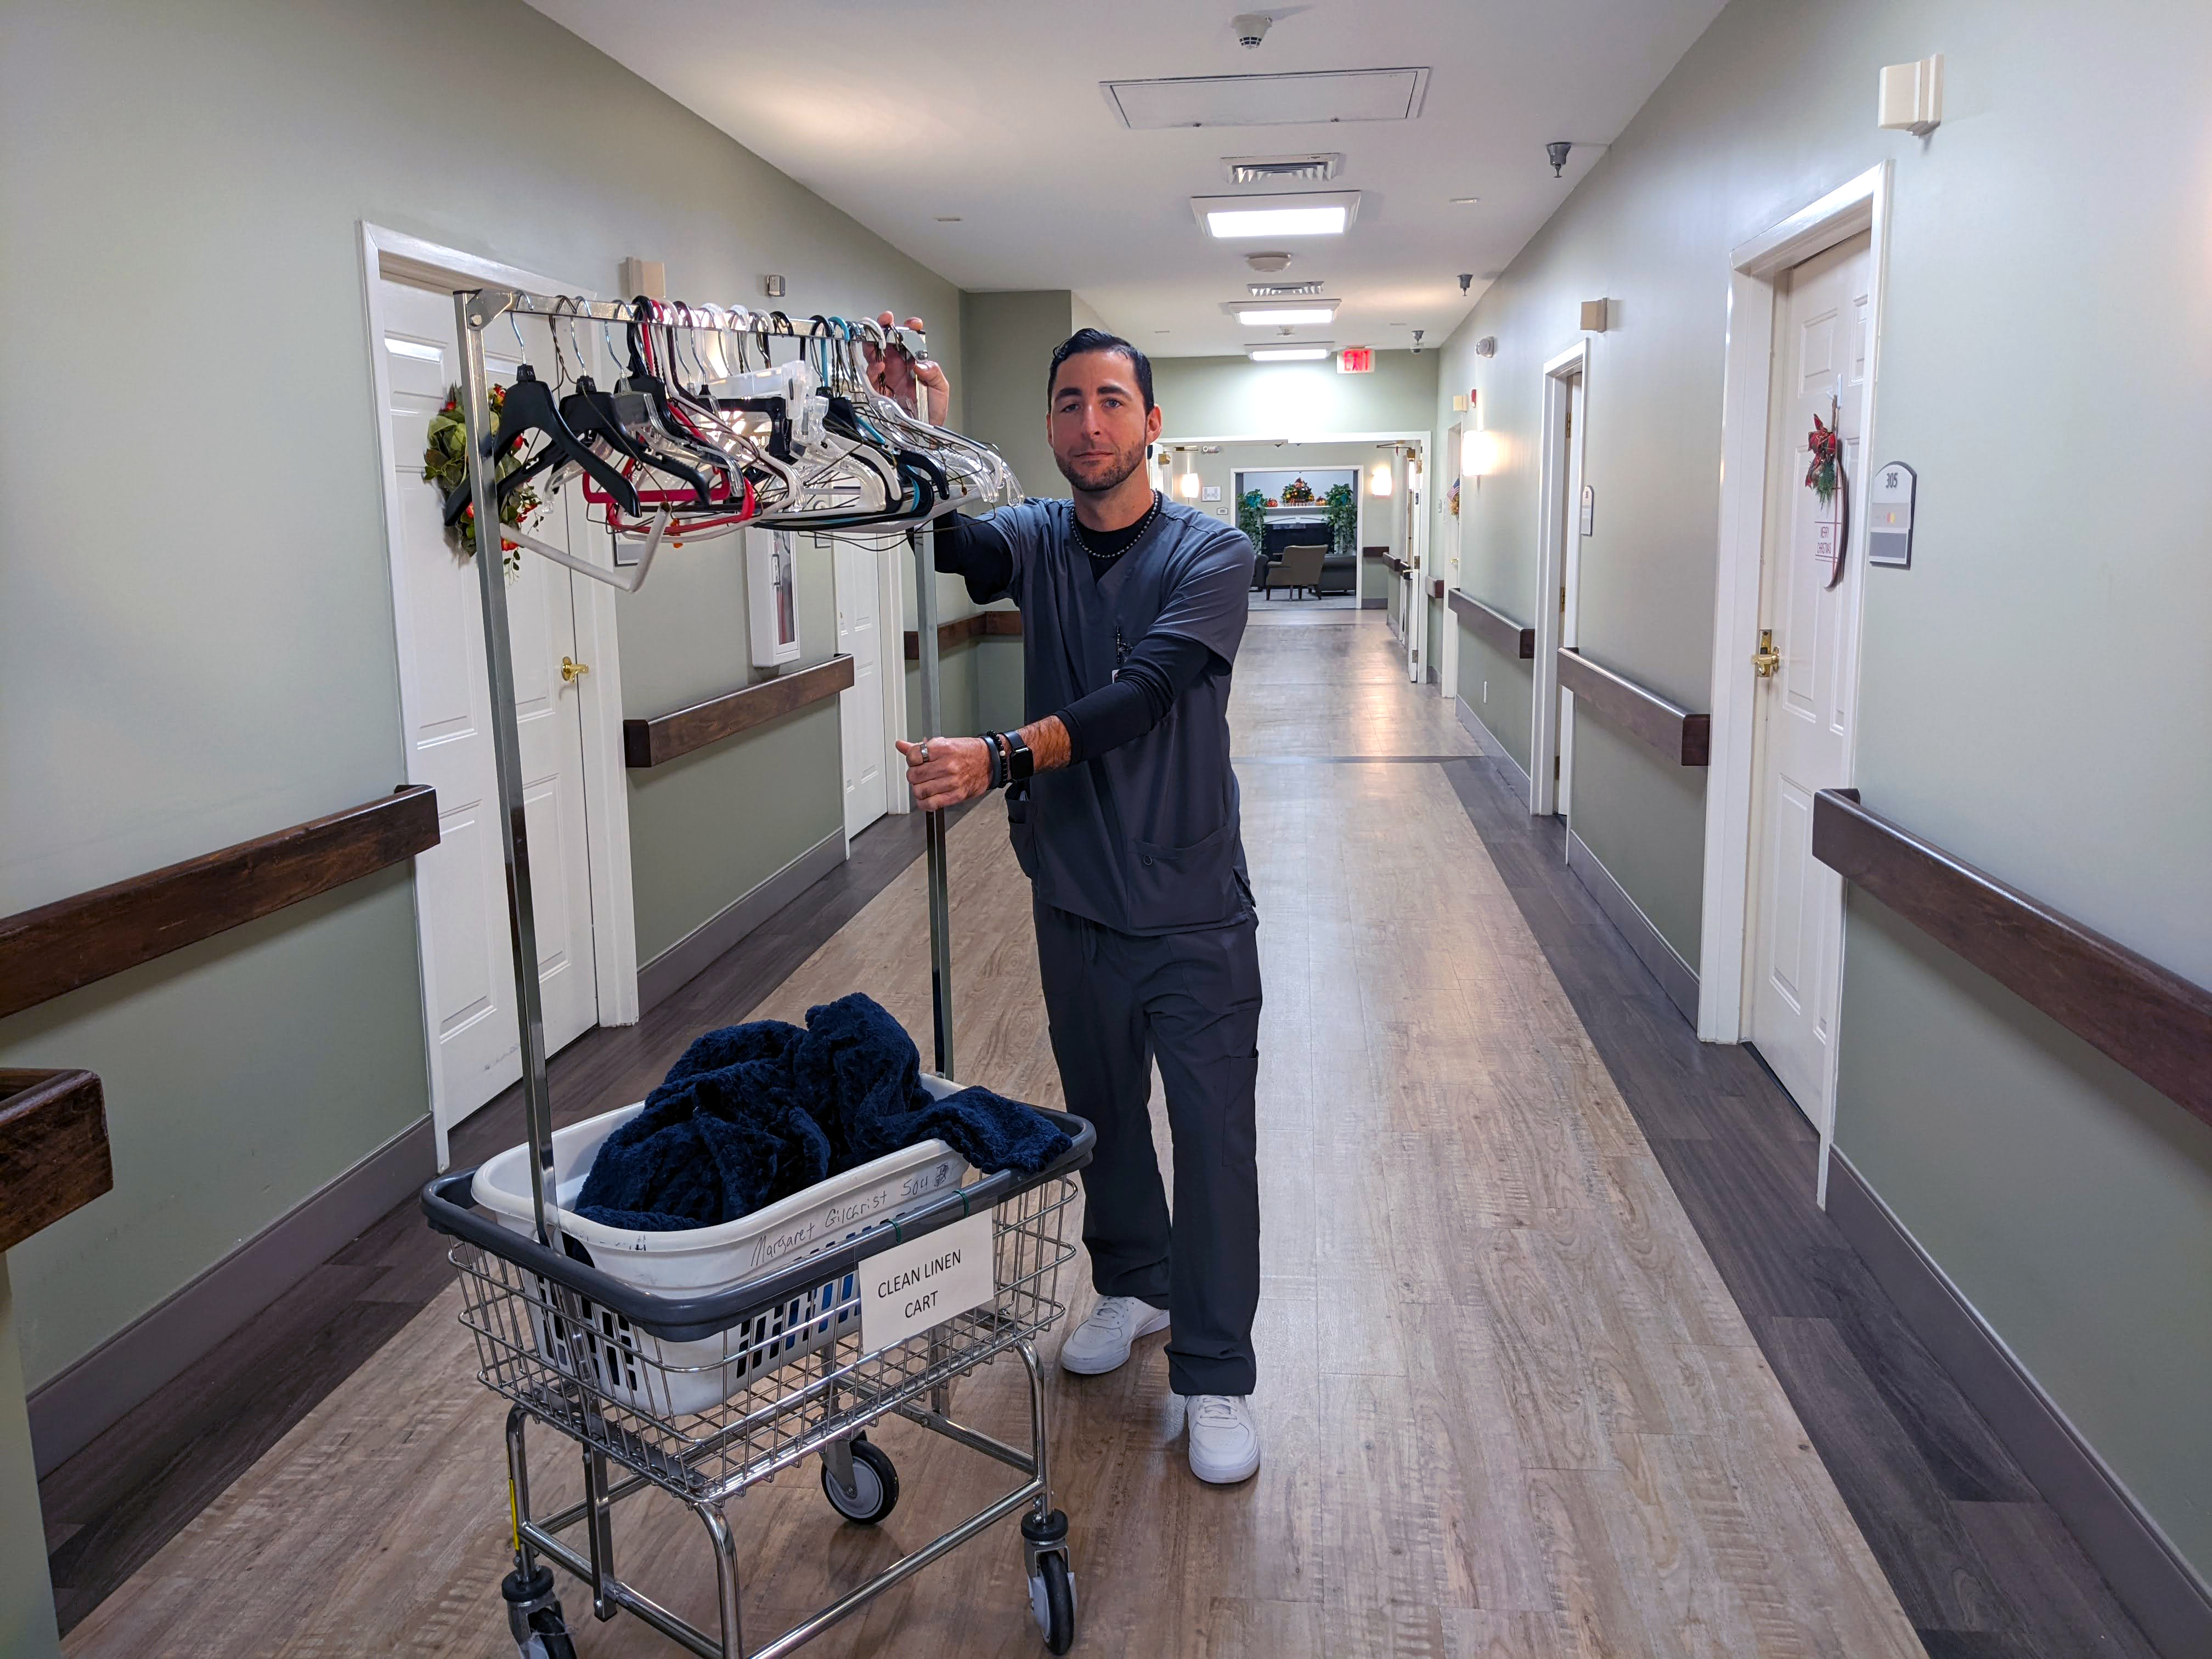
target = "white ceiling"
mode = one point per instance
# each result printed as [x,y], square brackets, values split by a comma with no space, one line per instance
[903,113]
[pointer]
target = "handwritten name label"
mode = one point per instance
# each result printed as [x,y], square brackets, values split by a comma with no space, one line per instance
[910,1287]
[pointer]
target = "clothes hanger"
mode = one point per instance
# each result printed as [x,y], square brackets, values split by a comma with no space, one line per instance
[526,406]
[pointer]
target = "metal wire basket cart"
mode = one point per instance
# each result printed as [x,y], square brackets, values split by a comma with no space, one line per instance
[703,1395]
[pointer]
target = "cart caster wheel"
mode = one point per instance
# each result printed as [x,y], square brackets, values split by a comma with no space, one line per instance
[533,1617]
[1051,1602]
[875,1485]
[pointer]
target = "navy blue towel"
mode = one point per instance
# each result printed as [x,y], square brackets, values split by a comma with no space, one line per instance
[755,1113]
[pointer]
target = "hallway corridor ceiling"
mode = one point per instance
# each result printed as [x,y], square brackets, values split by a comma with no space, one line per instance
[977,139]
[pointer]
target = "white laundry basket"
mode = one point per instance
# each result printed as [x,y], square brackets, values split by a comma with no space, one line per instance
[600,1347]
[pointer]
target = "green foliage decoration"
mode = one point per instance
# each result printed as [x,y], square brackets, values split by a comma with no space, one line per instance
[445,464]
[1342,508]
[1252,517]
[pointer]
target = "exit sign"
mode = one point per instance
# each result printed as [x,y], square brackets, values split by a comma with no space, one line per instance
[1356,360]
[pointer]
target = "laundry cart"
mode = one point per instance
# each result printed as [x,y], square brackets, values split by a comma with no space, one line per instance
[702,1364]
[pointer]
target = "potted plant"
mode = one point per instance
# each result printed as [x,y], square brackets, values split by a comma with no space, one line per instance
[1252,517]
[1342,509]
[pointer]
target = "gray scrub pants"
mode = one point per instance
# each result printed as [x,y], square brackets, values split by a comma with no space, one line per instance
[1115,1002]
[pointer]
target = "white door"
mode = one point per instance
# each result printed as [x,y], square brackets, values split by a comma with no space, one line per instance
[1570,591]
[1803,735]
[860,705]
[461,883]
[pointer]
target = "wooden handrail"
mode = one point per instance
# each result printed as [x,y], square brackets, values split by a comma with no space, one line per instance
[1492,627]
[1682,737]
[1378,553]
[663,738]
[2149,1018]
[70,943]
[994,625]
[53,1149]
[1435,588]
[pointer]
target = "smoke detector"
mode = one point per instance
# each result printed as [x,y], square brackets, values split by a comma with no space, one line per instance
[1282,290]
[1268,262]
[1281,169]
[1251,28]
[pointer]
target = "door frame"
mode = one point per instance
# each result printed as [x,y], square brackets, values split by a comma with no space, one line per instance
[1554,517]
[606,798]
[1421,443]
[1756,267]
[887,554]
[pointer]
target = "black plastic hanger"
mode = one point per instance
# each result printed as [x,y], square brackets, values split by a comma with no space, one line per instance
[527,406]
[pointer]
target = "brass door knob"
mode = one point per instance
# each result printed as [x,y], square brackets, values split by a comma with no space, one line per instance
[573,672]
[1766,659]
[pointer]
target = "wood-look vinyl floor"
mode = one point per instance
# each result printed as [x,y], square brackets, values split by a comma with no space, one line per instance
[1511,1406]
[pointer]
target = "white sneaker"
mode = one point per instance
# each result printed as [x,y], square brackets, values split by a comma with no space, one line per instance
[1101,1343]
[1225,1437]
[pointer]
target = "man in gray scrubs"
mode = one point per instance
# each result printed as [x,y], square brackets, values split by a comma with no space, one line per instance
[1123,811]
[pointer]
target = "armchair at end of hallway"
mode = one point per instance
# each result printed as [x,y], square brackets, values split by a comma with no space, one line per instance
[1298,569]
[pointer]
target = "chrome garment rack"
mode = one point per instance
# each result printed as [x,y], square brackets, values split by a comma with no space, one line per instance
[476,310]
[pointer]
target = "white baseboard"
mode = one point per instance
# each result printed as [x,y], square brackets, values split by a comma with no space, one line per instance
[683,961]
[1676,976]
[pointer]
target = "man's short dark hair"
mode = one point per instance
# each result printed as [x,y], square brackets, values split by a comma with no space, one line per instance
[1097,339]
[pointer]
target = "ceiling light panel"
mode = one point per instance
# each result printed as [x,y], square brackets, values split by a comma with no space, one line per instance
[1308,213]
[1311,353]
[1316,169]
[1319,312]
[1259,100]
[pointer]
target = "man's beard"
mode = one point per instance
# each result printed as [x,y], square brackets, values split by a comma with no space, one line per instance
[1103,477]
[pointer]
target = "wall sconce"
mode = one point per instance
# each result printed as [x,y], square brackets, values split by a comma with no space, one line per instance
[1186,485]
[1378,482]
[1480,452]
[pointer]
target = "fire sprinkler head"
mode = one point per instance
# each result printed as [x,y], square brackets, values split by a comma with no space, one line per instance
[1466,280]
[1557,149]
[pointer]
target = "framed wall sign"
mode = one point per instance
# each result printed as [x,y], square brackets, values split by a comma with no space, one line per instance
[1889,515]
[772,595]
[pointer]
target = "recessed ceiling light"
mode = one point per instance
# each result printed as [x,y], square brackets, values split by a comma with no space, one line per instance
[1288,354]
[1465,201]
[1312,213]
[1321,311]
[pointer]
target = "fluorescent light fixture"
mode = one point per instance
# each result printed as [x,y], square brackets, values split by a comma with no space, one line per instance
[1288,354]
[1286,316]
[1310,213]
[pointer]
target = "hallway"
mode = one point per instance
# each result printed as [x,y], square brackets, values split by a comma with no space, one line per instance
[1510,1406]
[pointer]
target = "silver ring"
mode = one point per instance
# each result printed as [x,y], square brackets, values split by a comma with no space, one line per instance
[925,751]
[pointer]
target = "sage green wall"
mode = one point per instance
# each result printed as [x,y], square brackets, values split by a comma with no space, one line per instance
[219,660]
[2044,276]
[1498,687]
[1008,340]
[1235,398]
[27,1595]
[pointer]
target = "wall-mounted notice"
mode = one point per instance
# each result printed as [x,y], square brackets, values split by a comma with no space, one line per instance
[1889,515]
[924,1282]
[1209,492]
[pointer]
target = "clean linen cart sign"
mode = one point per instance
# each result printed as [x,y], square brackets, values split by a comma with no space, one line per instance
[909,1287]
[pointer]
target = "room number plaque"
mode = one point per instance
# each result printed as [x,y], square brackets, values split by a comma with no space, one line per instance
[1889,515]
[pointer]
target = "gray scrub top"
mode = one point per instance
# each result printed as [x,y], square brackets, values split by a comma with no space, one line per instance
[1145,838]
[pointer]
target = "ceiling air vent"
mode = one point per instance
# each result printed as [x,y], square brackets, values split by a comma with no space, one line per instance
[1280,169]
[1260,101]
[1282,290]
